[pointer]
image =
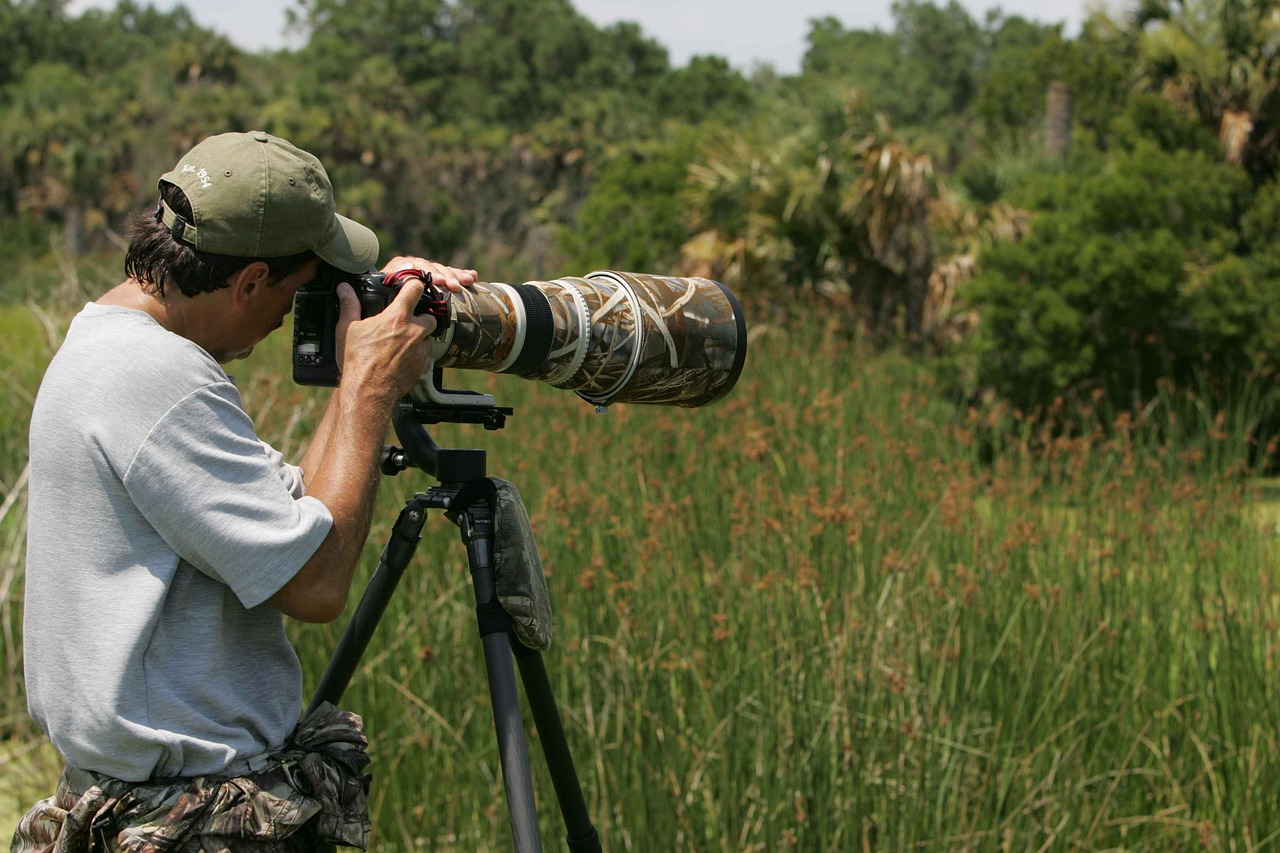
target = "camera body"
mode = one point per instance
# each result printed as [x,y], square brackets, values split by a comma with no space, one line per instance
[315,317]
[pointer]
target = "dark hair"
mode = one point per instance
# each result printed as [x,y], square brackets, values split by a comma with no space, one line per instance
[156,260]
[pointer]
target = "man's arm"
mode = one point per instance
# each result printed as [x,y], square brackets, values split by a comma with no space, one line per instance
[452,278]
[320,438]
[383,357]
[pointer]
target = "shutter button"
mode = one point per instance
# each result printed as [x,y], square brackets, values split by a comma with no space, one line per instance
[260,136]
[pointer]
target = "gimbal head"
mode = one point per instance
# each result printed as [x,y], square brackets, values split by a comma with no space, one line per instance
[439,406]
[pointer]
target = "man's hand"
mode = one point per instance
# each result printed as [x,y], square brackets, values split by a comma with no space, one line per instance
[392,349]
[452,278]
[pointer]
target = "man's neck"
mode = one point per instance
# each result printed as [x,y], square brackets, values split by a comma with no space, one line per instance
[176,312]
[130,294]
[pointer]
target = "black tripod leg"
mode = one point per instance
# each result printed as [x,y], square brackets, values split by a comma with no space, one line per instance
[581,834]
[355,639]
[476,525]
[512,752]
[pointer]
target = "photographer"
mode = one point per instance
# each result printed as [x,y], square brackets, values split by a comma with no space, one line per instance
[165,540]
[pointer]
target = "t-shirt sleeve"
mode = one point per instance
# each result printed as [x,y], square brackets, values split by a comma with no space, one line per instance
[212,490]
[291,475]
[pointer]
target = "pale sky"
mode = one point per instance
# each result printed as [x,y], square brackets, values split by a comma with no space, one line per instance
[745,32]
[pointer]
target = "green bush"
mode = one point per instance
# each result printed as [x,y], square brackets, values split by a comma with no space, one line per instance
[1151,117]
[1131,275]
[633,215]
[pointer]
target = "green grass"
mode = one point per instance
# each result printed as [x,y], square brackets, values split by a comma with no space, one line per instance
[826,614]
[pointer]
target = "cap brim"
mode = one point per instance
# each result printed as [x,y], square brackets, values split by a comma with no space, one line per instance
[351,247]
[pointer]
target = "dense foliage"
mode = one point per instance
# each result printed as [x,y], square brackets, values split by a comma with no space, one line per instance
[1113,191]
[1132,273]
[837,611]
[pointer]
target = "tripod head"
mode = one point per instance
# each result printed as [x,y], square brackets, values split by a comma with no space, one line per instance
[440,406]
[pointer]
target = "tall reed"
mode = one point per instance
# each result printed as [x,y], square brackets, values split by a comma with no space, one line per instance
[832,613]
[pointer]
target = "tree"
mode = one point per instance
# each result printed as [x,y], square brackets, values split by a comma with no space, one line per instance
[69,143]
[947,43]
[87,114]
[633,216]
[1219,60]
[30,31]
[832,208]
[926,69]
[1024,58]
[417,36]
[1098,66]
[481,61]
[1130,274]
[707,89]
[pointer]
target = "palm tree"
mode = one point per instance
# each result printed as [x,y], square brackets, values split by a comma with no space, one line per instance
[888,205]
[964,230]
[67,142]
[1219,60]
[833,209]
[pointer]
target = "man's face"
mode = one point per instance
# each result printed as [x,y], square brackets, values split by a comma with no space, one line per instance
[268,308]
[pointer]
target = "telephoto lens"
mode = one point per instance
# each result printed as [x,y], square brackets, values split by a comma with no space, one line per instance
[611,337]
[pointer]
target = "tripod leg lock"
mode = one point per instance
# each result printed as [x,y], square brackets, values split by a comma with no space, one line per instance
[493,619]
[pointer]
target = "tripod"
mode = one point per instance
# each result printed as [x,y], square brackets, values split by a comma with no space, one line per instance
[463,487]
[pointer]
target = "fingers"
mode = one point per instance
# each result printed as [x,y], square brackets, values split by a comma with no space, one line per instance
[348,313]
[450,278]
[348,304]
[409,293]
[387,352]
[406,303]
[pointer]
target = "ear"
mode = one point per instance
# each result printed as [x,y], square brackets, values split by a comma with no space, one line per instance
[250,281]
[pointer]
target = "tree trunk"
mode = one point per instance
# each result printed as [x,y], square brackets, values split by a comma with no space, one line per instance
[73,230]
[1233,133]
[1057,120]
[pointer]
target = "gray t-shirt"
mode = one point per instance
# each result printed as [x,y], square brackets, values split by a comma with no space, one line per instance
[158,527]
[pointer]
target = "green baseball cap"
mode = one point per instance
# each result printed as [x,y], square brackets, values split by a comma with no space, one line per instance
[254,195]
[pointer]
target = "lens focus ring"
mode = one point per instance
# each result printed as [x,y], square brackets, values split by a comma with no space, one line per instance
[540,331]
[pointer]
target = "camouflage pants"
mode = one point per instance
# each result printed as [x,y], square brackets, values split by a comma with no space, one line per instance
[311,795]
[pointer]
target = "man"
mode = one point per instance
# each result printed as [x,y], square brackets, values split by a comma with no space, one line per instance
[165,540]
